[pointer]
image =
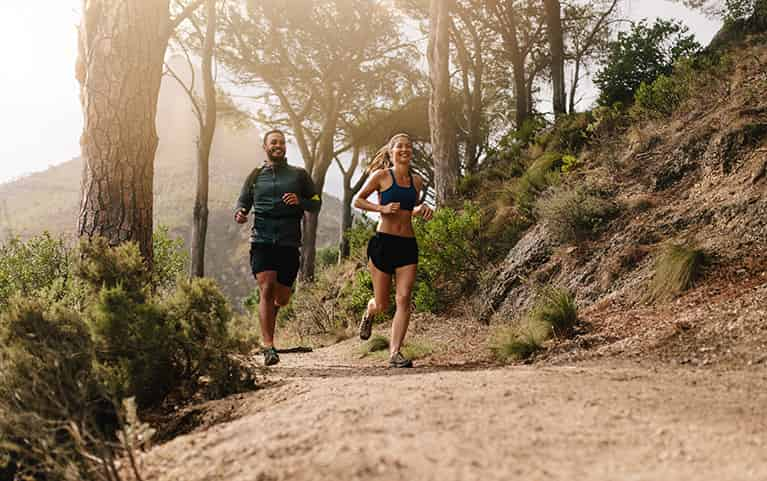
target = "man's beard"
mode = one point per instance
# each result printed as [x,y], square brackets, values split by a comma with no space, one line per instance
[276,157]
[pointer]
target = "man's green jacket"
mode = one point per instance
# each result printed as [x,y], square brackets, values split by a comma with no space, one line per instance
[277,222]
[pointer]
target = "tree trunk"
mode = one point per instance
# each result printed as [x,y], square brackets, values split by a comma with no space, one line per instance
[121,49]
[346,224]
[556,42]
[207,130]
[446,169]
[319,170]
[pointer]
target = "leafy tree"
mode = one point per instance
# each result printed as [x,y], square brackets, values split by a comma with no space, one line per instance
[317,63]
[641,55]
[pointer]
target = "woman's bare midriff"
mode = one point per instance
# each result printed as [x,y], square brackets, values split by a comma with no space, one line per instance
[399,223]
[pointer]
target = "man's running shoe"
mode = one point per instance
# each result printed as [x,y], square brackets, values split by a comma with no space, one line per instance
[366,326]
[398,360]
[270,356]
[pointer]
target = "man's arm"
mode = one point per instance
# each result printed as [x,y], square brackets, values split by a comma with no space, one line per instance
[245,200]
[310,199]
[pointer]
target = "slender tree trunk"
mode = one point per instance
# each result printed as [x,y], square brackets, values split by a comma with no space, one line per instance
[319,170]
[346,206]
[121,49]
[446,169]
[556,42]
[207,130]
[346,224]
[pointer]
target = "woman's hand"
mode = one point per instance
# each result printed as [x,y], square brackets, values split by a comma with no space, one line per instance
[424,211]
[391,208]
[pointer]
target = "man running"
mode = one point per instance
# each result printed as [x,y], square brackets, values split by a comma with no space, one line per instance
[279,194]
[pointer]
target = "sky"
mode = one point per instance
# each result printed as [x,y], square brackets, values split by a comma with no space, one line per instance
[40,117]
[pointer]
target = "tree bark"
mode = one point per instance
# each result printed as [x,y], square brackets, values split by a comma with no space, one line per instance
[207,130]
[121,49]
[346,206]
[319,168]
[556,42]
[508,27]
[446,168]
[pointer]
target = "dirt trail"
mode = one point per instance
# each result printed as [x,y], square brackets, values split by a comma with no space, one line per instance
[327,415]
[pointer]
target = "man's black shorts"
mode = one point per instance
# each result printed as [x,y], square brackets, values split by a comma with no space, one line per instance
[283,259]
[388,252]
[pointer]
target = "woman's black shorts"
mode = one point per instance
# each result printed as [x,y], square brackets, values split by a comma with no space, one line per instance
[283,259]
[389,251]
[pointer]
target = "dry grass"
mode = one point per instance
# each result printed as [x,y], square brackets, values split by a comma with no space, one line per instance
[676,270]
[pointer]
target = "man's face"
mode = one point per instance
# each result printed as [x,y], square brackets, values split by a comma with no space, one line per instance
[275,146]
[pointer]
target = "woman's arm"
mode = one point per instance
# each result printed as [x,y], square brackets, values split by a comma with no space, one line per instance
[373,184]
[422,210]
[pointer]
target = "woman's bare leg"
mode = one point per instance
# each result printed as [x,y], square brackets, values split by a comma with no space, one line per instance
[381,289]
[405,280]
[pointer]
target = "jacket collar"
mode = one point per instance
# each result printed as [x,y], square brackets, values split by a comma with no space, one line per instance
[276,164]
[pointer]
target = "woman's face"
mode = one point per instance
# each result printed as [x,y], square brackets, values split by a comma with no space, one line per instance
[401,151]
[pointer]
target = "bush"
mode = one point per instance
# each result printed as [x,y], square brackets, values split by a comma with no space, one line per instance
[642,54]
[327,256]
[676,270]
[449,254]
[541,174]
[574,214]
[28,267]
[359,235]
[555,308]
[48,389]
[554,313]
[170,259]
[517,343]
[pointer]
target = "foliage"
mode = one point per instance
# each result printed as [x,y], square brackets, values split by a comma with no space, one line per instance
[554,313]
[28,267]
[570,134]
[574,213]
[642,54]
[539,175]
[376,343]
[676,270]
[449,253]
[169,258]
[50,401]
[359,235]
[555,308]
[326,256]
[516,343]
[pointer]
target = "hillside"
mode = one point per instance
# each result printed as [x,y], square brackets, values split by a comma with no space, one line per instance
[695,180]
[48,201]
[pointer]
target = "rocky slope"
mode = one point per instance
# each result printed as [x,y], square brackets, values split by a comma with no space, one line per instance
[697,178]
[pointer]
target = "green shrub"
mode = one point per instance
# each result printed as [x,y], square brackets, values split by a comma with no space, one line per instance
[244,333]
[517,343]
[676,270]
[573,214]
[554,313]
[27,267]
[136,344]
[361,292]
[469,185]
[642,54]
[571,133]
[102,265]
[449,253]
[541,174]
[376,343]
[359,235]
[556,308]
[327,256]
[426,297]
[170,259]
[48,389]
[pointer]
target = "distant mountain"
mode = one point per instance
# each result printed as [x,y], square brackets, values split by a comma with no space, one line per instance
[49,200]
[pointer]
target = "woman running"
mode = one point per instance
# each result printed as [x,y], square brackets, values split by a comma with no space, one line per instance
[393,251]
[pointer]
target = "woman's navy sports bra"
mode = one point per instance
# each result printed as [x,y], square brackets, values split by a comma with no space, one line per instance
[406,196]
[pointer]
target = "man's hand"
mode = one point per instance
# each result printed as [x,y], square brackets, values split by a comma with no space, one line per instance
[391,208]
[424,211]
[241,216]
[290,198]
